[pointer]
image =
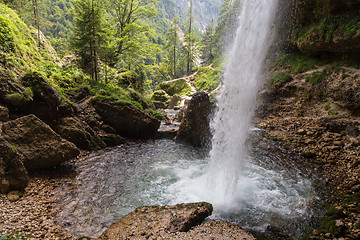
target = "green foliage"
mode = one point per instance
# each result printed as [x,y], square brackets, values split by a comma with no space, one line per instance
[207,41]
[207,78]
[112,93]
[7,42]
[179,86]
[296,62]
[173,49]
[280,78]
[317,77]
[328,29]
[89,36]
[226,28]
[14,236]
[156,114]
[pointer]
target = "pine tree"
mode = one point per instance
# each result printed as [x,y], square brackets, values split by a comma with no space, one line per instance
[207,42]
[172,45]
[190,48]
[89,35]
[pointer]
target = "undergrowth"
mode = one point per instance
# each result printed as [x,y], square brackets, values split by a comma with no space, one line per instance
[280,78]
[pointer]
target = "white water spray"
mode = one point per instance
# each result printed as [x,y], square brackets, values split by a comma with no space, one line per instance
[237,100]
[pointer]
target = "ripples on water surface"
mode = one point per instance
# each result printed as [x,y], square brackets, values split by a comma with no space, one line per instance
[112,182]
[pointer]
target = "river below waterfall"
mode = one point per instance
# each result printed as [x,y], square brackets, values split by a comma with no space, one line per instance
[110,183]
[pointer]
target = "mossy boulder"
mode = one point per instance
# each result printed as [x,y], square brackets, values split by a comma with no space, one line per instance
[160,96]
[127,120]
[178,86]
[130,79]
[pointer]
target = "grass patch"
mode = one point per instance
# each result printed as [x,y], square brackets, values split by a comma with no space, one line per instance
[317,77]
[280,78]
[296,62]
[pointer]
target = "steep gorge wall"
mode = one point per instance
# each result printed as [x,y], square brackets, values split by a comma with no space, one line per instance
[318,26]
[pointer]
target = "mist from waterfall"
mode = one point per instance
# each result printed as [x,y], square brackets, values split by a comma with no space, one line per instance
[236,102]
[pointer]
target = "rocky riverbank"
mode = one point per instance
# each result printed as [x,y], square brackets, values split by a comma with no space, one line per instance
[312,119]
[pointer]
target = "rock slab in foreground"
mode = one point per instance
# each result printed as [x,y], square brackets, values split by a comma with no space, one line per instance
[145,222]
[127,120]
[214,230]
[40,146]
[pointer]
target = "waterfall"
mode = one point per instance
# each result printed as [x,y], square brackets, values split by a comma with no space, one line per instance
[237,99]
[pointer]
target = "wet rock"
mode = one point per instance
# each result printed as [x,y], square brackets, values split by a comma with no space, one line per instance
[13,174]
[195,124]
[174,100]
[126,119]
[40,146]
[79,133]
[112,140]
[144,222]
[4,114]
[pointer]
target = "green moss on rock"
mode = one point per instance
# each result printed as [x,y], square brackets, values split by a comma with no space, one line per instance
[178,86]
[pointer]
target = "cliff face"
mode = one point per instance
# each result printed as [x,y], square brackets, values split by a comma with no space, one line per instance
[326,26]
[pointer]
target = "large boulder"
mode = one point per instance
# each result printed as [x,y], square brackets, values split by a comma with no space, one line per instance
[47,103]
[126,119]
[37,142]
[160,96]
[195,124]
[144,222]
[79,133]
[13,175]
[177,86]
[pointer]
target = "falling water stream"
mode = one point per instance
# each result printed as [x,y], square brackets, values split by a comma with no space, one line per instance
[247,178]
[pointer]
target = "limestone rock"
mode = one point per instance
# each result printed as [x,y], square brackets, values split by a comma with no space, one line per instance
[37,142]
[79,133]
[13,175]
[195,124]
[174,101]
[127,120]
[144,222]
